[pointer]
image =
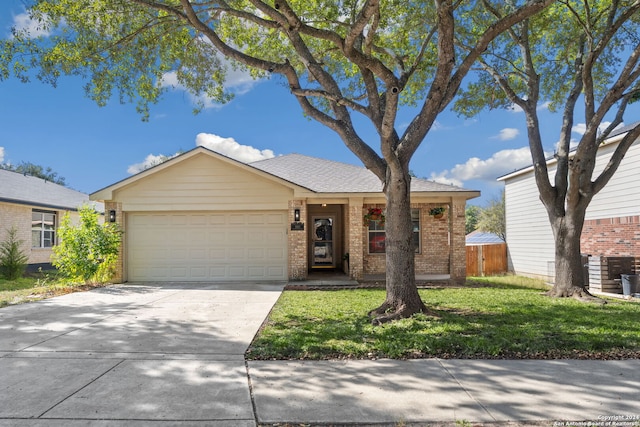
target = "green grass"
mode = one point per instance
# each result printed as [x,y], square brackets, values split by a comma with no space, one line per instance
[34,287]
[497,318]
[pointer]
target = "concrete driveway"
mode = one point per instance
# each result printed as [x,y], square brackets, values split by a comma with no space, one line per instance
[135,355]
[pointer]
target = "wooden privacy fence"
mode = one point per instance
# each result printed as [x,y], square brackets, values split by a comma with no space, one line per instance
[486,260]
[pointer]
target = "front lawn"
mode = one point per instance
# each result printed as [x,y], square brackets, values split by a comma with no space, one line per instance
[495,318]
[35,287]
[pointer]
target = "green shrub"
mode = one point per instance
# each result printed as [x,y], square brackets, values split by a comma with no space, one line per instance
[13,260]
[87,252]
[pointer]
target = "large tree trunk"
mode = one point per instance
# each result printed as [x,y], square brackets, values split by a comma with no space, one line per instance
[402,298]
[569,274]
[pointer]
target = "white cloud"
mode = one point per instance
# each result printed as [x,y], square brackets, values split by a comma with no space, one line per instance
[444,178]
[506,134]
[226,146]
[237,81]
[23,22]
[231,148]
[1,154]
[438,126]
[581,128]
[514,108]
[544,106]
[148,162]
[489,169]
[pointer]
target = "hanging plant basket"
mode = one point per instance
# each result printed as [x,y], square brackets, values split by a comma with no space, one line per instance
[374,214]
[437,212]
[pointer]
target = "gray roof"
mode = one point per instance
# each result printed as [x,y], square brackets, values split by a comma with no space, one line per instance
[482,238]
[327,176]
[29,190]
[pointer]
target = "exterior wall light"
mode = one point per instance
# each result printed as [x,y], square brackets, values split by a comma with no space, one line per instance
[112,216]
[296,215]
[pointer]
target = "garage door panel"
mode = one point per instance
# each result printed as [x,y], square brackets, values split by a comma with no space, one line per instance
[275,272]
[217,254]
[256,237]
[159,220]
[217,273]
[255,254]
[198,220]
[274,238]
[237,272]
[206,246]
[179,273]
[236,254]
[276,254]
[237,219]
[179,219]
[199,273]
[216,219]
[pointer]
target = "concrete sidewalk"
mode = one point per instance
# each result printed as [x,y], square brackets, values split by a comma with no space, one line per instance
[447,392]
[173,355]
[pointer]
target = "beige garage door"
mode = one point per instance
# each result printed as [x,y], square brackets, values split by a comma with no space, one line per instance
[223,246]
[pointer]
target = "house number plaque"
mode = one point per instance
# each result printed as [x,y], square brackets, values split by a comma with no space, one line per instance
[299,226]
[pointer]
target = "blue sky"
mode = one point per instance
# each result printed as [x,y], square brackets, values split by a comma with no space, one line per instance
[93,147]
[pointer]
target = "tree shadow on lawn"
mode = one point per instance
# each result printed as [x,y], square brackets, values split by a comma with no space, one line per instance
[523,327]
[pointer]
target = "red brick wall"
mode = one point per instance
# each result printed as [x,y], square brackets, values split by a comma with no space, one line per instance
[611,236]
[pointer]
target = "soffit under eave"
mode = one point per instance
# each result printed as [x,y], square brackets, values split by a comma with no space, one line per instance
[424,196]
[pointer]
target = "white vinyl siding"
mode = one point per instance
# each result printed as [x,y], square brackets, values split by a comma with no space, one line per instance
[206,246]
[620,197]
[530,241]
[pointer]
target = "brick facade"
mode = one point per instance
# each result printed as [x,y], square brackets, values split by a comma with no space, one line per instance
[356,238]
[20,217]
[438,254]
[458,272]
[297,242]
[611,236]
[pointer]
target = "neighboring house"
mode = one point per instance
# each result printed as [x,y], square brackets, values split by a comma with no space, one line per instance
[612,221]
[202,216]
[35,207]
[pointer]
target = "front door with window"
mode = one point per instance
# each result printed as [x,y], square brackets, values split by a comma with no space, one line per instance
[322,235]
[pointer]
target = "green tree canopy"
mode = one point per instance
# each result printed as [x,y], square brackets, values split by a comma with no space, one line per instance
[343,61]
[471,218]
[491,218]
[583,58]
[31,169]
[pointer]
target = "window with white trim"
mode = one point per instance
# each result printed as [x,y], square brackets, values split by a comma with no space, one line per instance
[377,237]
[43,229]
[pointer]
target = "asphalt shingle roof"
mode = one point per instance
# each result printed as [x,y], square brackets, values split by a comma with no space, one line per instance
[328,176]
[24,189]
